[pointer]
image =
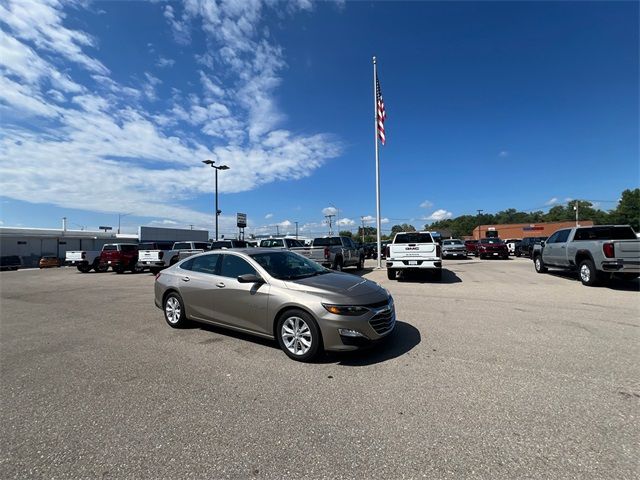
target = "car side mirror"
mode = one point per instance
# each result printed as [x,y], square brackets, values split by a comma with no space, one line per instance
[250,278]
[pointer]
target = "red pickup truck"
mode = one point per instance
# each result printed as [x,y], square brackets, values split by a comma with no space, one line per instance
[493,247]
[120,257]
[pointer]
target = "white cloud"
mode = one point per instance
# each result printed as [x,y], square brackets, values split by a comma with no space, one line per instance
[426,204]
[551,201]
[165,62]
[371,219]
[440,214]
[329,211]
[268,216]
[285,224]
[95,128]
[503,154]
[384,220]
[345,222]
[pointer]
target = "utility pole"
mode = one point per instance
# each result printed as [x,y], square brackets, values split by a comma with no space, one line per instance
[277,230]
[576,208]
[330,222]
[362,218]
[296,230]
[479,226]
[191,227]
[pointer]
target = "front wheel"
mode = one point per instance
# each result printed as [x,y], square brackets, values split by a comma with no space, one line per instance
[538,263]
[298,335]
[83,268]
[360,265]
[588,273]
[391,274]
[174,312]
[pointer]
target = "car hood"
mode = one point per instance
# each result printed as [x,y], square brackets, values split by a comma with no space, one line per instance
[339,284]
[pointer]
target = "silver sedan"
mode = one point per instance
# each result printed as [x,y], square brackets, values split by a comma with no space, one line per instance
[276,294]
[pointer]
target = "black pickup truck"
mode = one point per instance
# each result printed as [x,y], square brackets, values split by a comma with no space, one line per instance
[525,247]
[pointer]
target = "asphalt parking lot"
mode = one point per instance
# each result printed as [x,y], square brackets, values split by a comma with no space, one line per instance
[495,372]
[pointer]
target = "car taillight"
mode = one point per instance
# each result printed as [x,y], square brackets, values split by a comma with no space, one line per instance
[438,251]
[609,250]
[158,275]
[387,251]
[84,255]
[327,254]
[160,255]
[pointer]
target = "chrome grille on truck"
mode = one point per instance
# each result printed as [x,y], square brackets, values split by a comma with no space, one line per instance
[383,321]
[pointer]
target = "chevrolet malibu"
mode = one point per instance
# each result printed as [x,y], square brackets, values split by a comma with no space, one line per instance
[276,294]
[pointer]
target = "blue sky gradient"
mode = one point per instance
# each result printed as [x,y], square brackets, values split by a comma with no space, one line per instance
[489,105]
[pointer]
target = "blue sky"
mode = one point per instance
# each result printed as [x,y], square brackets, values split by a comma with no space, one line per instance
[109,107]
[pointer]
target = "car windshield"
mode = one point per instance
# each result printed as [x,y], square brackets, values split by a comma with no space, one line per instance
[286,265]
[452,242]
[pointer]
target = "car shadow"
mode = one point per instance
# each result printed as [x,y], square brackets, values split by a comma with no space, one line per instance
[402,340]
[613,284]
[426,277]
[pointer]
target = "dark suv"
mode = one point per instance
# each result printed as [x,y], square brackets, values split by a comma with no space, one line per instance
[525,247]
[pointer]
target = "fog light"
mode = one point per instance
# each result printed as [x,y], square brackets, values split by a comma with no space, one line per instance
[346,332]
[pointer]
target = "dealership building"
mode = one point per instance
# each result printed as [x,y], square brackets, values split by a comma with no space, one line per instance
[30,244]
[523,230]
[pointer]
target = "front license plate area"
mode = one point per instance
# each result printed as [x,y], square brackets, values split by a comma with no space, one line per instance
[413,262]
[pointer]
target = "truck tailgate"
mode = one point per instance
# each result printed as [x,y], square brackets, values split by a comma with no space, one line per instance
[149,256]
[73,256]
[316,254]
[627,249]
[412,250]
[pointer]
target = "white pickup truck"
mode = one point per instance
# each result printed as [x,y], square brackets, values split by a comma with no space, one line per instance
[84,260]
[415,251]
[158,255]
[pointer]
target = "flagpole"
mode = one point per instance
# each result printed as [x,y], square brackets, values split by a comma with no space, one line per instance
[375,132]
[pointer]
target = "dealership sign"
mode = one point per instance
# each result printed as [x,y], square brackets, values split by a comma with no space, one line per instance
[532,227]
[242,220]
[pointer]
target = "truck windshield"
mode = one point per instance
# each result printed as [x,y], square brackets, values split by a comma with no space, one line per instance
[452,242]
[327,242]
[413,238]
[605,233]
[109,248]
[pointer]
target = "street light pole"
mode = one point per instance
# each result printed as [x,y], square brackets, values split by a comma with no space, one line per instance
[220,167]
[120,215]
[479,228]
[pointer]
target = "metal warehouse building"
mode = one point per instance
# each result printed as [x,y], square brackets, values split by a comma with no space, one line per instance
[523,230]
[32,243]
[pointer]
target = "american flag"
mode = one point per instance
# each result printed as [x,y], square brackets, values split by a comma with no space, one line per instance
[381,115]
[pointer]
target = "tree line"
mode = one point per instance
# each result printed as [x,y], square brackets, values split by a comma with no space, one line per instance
[627,212]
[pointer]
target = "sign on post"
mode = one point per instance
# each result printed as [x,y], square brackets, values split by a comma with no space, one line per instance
[242,220]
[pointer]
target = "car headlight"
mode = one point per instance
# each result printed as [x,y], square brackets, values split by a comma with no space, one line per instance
[347,310]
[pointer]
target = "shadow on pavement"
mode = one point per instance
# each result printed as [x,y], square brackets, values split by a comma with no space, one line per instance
[613,284]
[403,339]
[426,277]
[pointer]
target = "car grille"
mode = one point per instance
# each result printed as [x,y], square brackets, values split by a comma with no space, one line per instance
[383,321]
[383,303]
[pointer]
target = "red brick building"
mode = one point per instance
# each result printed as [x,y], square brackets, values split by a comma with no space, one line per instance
[523,230]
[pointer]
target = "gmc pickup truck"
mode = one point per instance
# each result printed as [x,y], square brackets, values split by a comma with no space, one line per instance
[84,260]
[414,251]
[333,252]
[156,255]
[598,253]
[120,257]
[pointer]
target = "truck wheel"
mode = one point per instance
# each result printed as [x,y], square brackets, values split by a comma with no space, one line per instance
[588,273]
[517,254]
[118,269]
[173,261]
[539,264]
[84,268]
[360,265]
[337,266]
[391,274]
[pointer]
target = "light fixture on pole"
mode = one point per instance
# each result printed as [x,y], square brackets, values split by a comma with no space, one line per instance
[220,167]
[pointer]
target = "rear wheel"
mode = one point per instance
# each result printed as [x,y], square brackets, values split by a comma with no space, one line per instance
[298,335]
[538,263]
[118,269]
[338,264]
[83,268]
[360,265]
[174,312]
[391,274]
[588,273]
[174,260]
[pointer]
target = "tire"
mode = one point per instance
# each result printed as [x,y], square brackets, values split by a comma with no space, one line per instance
[174,312]
[102,268]
[517,254]
[538,264]
[360,265]
[118,269]
[588,273]
[298,335]
[337,266]
[437,274]
[84,268]
[391,274]
[173,261]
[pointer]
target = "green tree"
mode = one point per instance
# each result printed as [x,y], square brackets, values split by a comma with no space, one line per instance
[405,227]
[345,233]
[627,212]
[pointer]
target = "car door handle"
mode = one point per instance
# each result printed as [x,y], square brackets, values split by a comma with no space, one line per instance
[185,279]
[220,285]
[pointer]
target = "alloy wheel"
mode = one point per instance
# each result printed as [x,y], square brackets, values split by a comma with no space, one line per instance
[296,335]
[173,310]
[585,273]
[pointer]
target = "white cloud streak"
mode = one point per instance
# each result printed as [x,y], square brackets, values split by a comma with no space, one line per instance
[440,214]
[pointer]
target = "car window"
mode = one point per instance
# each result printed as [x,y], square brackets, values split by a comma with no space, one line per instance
[327,242]
[553,238]
[563,235]
[413,238]
[186,265]
[201,245]
[233,266]
[182,246]
[129,248]
[222,244]
[109,248]
[605,233]
[205,264]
